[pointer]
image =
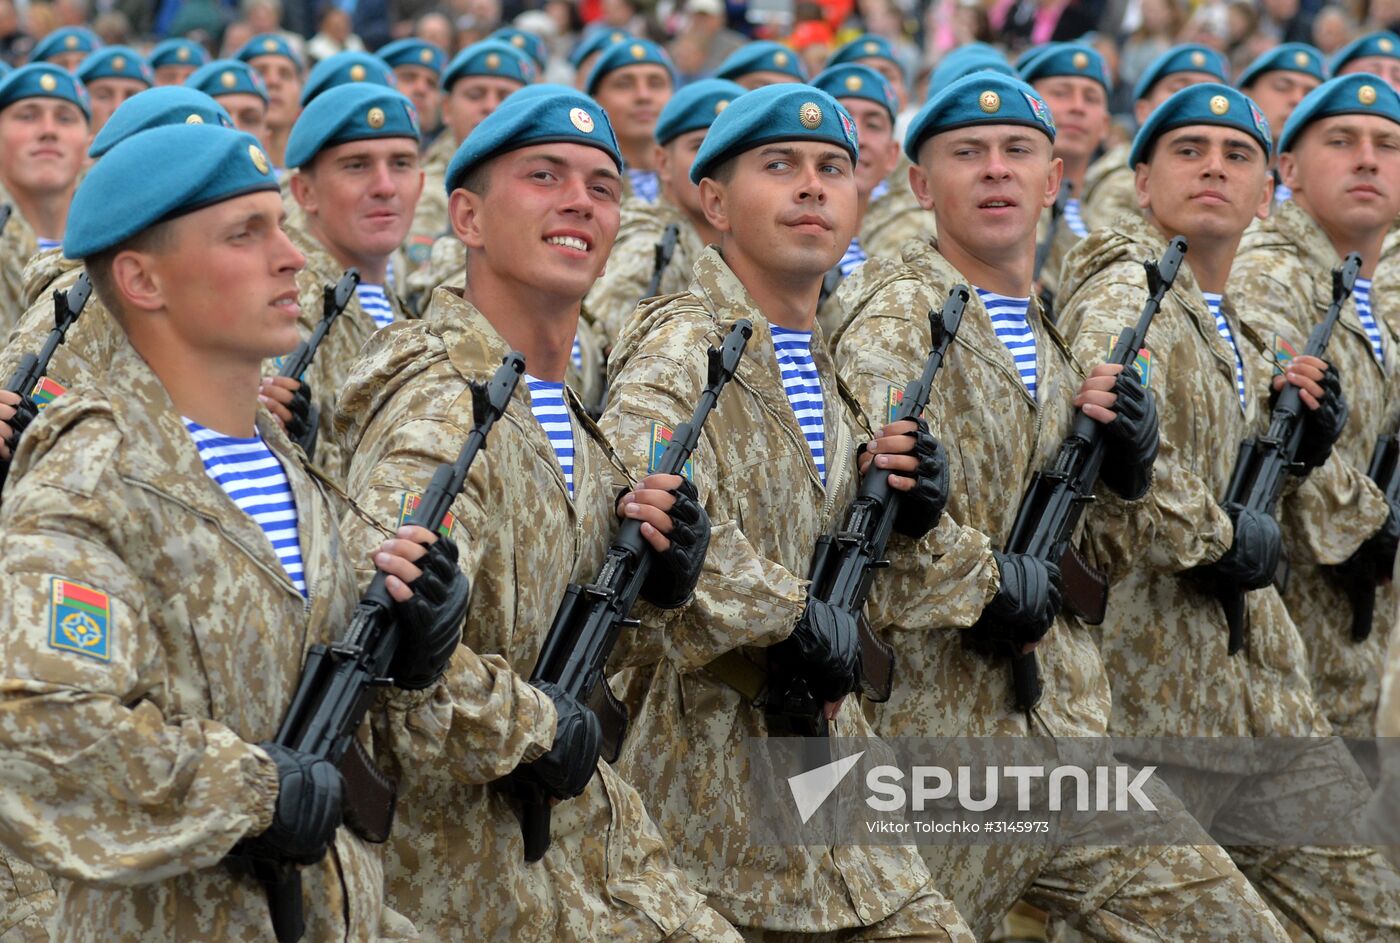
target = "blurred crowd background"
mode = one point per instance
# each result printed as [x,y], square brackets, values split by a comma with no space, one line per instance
[699,34]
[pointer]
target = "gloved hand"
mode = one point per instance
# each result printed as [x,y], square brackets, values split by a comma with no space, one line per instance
[24,413]
[824,650]
[1323,426]
[430,621]
[310,793]
[565,770]
[1132,438]
[920,507]
[673,574]
[1024,607]
[305,420]
[1254,552]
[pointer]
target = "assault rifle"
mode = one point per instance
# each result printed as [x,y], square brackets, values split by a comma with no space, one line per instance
[1370,564]
[30,372]
[1264,461]
[590,618]
[662,259]
[334,299]
[1058,494]
[339,681]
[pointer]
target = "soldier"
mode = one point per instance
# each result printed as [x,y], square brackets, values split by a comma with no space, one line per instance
[66,47]
[357,180]
[44,122]
[111,76]
[983,149]
[776,461]
[633,81]
[175,60]
[281,70]
[761,63]
[1276,81]
[1340,157]
[168,558]
[1108,185]
[876,53]
[536,189]
[418,69]
[239,88]
[528,43]
[1202,172]
[1377,53]
[631,268]
[342,68]
[588,50]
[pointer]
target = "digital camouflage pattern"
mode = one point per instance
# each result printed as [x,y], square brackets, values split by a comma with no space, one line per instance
[1282,284]
[945,690]
[129,726]
[614,296]
[1109,190]
[767,506]
[456,858]
[90,343]
[430,216]
[1064,240]
[895,217]
[17,244]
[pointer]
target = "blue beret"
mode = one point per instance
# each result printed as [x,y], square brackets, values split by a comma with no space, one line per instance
[761,56]
[64,40]
[417,52]
[120,197]
[1207,103]
[227,77]
[962,62]
[858,81]
[980,98]
[596,41]
[694,107]
[492,58]
[358,111]
[115,62]
[865,47]
[171,104]
[1290,57]
[1186,58]
[633,52]
[178,51]
[268,44]
[784,112]
[1380,43]
[539,114]
[528,43]
[1056,60]
[344,68]
[42,80]
[1356,93]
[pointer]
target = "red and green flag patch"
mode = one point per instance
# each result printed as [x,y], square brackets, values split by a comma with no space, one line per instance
[1284,353]
[408,505]
[893,397]
[80,619]
[46,391]
[1143,360]
[660,439]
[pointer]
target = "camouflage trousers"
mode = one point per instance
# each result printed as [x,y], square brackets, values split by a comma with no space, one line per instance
[26,901]
[928,918]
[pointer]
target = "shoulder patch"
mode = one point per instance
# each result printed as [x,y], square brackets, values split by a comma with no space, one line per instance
[1284,353]
[1143,361]
[660,439]
[80,619]
[45,392]
[409,503]
[894,395]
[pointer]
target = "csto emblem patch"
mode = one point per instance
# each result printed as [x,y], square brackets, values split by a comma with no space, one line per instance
[80,619]
[660,439]
[409,504]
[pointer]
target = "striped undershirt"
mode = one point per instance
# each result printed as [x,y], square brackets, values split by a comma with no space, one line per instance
[1074,218]
[375,303]
[1013,329]
[46,244]
[576,354]
[547,403]
[645,186]
[389,272]
[254,480]
[851,259]
[804,389]
[1223,328]
[1282,194]
[1361,294]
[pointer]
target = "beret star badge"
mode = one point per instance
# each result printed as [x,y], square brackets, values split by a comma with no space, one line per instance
[1219,105]
[375,118]
[989,101]
[581,119]
[810,114]
[1366,94]
[259,159]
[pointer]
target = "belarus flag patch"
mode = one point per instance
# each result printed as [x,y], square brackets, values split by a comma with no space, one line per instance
[80,619]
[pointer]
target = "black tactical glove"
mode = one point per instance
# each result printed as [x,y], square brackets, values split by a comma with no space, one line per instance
[24,415]
[1132,438]
[1323,426]
[1023,609]
[673,574]
[430,621]
[565,770]
[1382,545]
[310,792]
[306,420]
[1253,557]
[824,650]
[920,507]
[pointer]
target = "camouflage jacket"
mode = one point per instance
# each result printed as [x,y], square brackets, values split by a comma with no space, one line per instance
[17,244]
[616,293]
[895,218]
[1164,640]
[90,343]
[1281,282]
[430,216]
[155,638]
[1109,190]
[943,689]
[455,860]
[767,506]
[1063,241]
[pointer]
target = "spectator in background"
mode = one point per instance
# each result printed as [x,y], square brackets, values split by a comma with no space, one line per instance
[336,34]
[1333,28]
[435,28]
[1160,21]
[372,22]
[703,40]
[1286,21]
[115,28]
[265,16]
[236,36]
[15,43]
[1383,14]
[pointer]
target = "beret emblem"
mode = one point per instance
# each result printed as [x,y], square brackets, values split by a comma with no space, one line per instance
[581,120]
[425,56]
[228,80]
[71,42]
[182,54]
[375,118]
[48,83]
[1219,105]
[780,58]
[357,73]
[1385,44]
[194,119]
[720,105]
[872,47]
[269,45]
[1198,58]
[259,159]
[853,83]
[1366,94]
[990,102]
[1081,60]
[638,51]
[1300,59]
[493,61]
[810,114]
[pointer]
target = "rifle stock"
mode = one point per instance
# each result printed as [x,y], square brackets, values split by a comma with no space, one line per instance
[662,258]
[334,299]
